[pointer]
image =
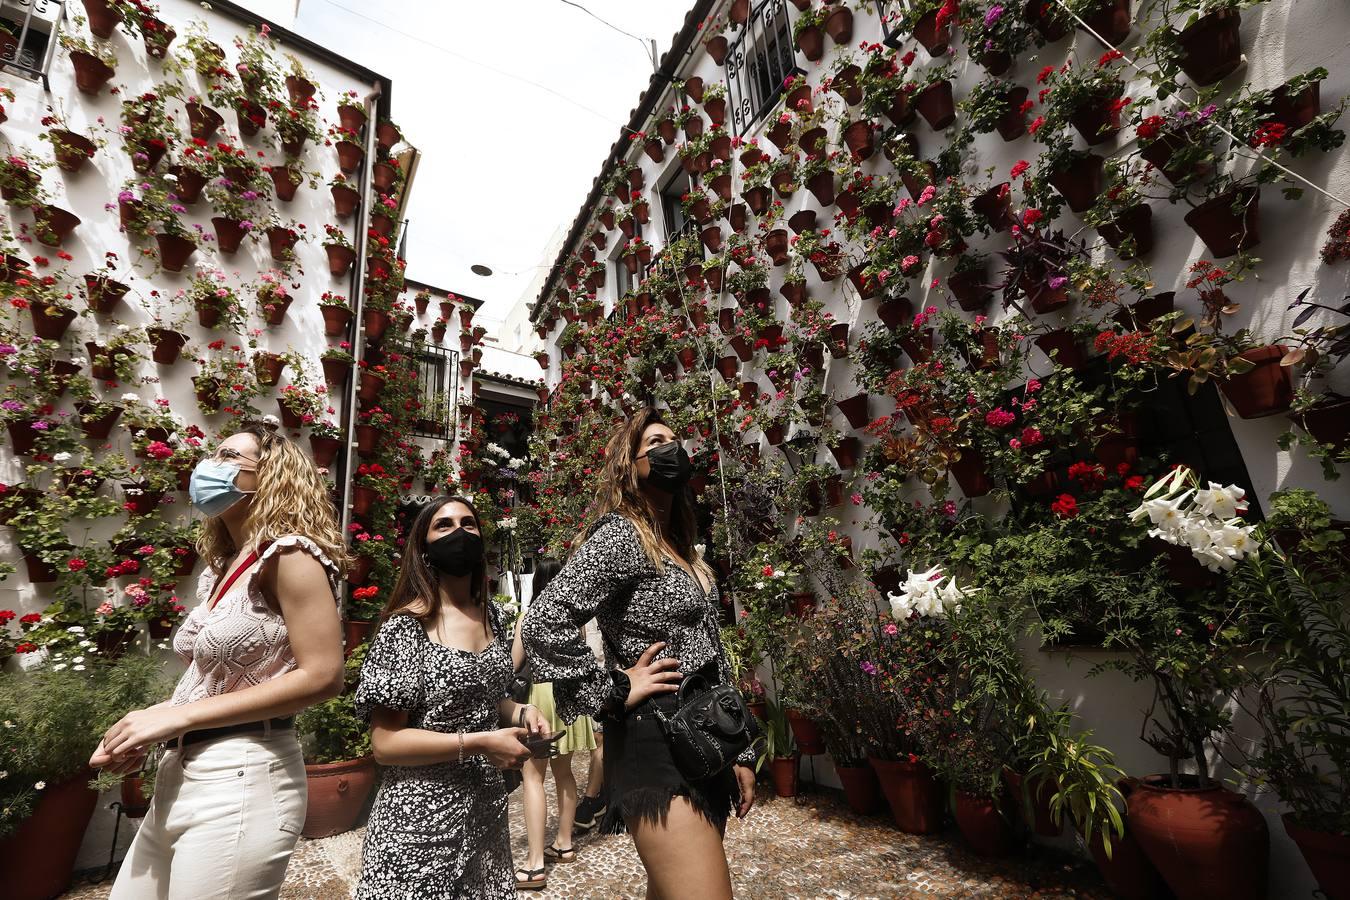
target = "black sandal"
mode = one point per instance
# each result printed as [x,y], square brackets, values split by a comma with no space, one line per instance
[554,854]
[534,880]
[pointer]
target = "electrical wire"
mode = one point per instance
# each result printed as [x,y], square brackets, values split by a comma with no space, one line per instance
[646,46]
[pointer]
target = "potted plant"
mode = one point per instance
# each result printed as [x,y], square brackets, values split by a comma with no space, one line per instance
[95,64]
[996,105]
[779,750]
[338,763]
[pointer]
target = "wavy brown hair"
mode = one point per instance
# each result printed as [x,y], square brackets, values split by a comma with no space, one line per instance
[292,498]
[620,492]
[415,592]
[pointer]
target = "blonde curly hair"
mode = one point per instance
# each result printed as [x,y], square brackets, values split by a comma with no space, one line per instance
[292,498]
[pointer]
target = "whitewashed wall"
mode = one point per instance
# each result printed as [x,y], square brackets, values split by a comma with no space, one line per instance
[1281,39]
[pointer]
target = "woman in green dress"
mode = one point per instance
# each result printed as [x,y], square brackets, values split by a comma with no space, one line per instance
[577,737]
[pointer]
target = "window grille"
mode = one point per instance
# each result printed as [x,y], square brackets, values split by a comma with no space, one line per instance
[437,371]
[889,12]
[28,37]
[759,62]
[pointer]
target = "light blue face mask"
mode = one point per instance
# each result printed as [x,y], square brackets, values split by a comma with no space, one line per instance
[212,488]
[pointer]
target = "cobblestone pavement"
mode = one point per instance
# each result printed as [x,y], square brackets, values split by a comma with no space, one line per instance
[809,848]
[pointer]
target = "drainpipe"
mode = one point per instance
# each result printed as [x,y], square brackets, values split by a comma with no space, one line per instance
[358,307]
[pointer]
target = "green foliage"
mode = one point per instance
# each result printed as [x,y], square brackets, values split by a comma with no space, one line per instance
[331,731]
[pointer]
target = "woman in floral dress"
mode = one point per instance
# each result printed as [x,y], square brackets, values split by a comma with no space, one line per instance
[434,688]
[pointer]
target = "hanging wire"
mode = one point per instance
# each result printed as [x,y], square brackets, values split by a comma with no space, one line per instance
[646,46]
[1237,142]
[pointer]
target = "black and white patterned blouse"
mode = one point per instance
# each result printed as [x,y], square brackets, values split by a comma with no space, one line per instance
[437,831]
[611,579]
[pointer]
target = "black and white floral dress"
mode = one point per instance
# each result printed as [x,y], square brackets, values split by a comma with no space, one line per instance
[437,832]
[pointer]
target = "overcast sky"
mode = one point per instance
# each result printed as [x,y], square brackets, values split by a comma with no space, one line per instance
[505,163]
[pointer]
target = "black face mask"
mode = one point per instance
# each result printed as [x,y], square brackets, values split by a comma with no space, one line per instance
[457,554]
[670,467]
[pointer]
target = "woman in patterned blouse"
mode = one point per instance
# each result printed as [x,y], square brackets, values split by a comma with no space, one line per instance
[263,643]
[638,573]
[434,688]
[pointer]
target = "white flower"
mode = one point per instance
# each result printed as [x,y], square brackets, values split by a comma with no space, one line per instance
[900,606]
[123,327]
[85,644]
[61,457]
[1221,502]
[40,785]
[170,178]
[76,629]
[1164,513]
[59,667]
[78,668]
[3,774]
[129,397]
[759,585]
[271,420]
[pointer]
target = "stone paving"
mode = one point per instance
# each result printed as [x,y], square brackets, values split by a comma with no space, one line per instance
[805,848]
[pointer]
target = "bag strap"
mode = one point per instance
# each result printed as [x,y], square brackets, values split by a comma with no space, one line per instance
[224,588]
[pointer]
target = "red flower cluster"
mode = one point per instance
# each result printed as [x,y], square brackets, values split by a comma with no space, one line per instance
[1065,506]
[1092,476]
[365,593]
[1271,134]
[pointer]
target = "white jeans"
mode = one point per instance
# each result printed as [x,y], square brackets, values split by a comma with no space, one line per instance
[223,822]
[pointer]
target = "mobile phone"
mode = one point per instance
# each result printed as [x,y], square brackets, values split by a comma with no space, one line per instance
[541,746]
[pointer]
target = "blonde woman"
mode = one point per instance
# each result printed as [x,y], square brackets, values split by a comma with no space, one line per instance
[637,572]
[263,643]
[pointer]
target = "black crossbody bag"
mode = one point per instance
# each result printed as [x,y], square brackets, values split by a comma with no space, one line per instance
[709,729]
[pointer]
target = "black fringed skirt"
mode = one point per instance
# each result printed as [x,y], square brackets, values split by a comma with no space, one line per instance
[641,776]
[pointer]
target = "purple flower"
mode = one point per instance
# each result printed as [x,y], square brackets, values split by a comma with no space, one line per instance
[178,208]
[249,195]
[1207,112]
[992,15]
[40,425]
[246,225]
[1057,282]
[868,667]
[125,196]
[7,349]
[12,406]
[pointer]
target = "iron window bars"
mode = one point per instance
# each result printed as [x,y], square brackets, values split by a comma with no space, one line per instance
[437,371]
[759,63]
[29,51]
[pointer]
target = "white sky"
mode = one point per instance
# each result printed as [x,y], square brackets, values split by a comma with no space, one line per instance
[504,163]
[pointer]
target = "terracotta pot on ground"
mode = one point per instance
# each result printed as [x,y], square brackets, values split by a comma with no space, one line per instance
[806,734]
[324,450]
[167,343]
[1211,48]
[861,790]
[1112,21]
[936,105]
[40,855]
[914,795]
[1327,855]
[982,825]
[53,225]
[91,73]
[1265,390]
[1206,842]
[1127,871]
[1133,225]
[1034,803]
[337,794]
[1224,231]
[783,773]
[174,251]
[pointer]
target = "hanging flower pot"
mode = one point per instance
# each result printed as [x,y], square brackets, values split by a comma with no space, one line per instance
[335,319]
[811,42]
[739,12]
[143,502]
[174,251]
[203,121]
[1266,389]
[371,385]
[916,181]
[914,795]
[72,150]
[1080,182]
[229,234]
[858,137]
[866,285]
[103,362]
[299,89]
[340,261]
[1130,234]
[249,116]
[1229,223]
[839,23]
[91,73]
[167,343]
[776,245]
[281,241]
[352,118]
[387,135]
[1211,48]
[345,200]
[757,198]
[383,176]
[982,824]
[285,182]
[855,409]
[936,105]
[324,450]
[102,294]
[103,18]
[335,370]
[846,453]
[1098,119]
[268,367]
[1064,348]
[157,36]
[895,312]
[190,184]
[349,155]
[376,322]
[971,289]
[1328,422]
[970,473]
[97,428]
[276,310]
[728,367]
[1012,124]
[53,225]
[933,37]
[366,438]
[717,47]
[1111,21]
[1206,842]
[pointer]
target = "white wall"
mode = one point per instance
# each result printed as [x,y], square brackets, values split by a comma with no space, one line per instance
[1281,38]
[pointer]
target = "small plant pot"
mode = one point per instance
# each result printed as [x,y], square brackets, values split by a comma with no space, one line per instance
[276,311]
[982,825]
[53,225]
[846,453]
[1130,234]
[324,450]
[839,23]
[1080,183]
[366,438]
[50,321]
[810,41]
[103,293]
[285,182]
[345,200]
[914,795]
[855,409]
[1328,422]
[936,105]
[383,176]
[340,259]
[267,367]
[934,38]
[229,234]
[970,473]
[174,251]
[190,184]
[783,773]
[281,242]
[1013,123]
[1211,49]
[203,121]
[91,73]
[97,429]
[1112,21]
[167,343]
[370,387]
[1096,121]
[1224,231]
[72,150]
[862,792]
[1265,390]
[207,391]
[859,138]
[1063,348]
[335,320]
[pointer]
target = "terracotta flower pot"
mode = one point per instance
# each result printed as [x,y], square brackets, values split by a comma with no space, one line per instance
[1130,234]
[167,343]
[811,42]
[356,632]
[387,135]
[72,150]
[45,845]
[861,789]
[1211,48]
[805,732]
[970,289]
[855,409]
[1064,348]
[337,794]
[1265,390]
[383,176]
[1327,855]
[157,35]
[249,116]
[1206,842]
[364,499]
[203,121]
[267,367]
[285,182]
[1080,183]
[174,251]
[276,311]
[1160,152]
[1013,123]
[335,319]
[783,773]
[1111,21]
[936,105]
[345,200]
[340,259]
[352,118]
[50,321]
[281,241]
[858,137]
[846,453]
[1328,422]
[103,293]
[97,428]
[982,825]
[1096,120]
[931,36]
[1127,871]
[839,23]
[324,450]
[91,73]
[366,438]
[102,17]
[970,473]
[914,795]
[190,184]
[1034,802]
[53,225]
[717,47]
[1224,231]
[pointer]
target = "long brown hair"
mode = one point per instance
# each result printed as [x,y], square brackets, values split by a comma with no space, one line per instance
[415,592]
[620,491]
[292,498]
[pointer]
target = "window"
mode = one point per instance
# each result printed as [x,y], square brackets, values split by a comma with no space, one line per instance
[437,370]
[888,12]
[760,61]
[28,38]
[672,212]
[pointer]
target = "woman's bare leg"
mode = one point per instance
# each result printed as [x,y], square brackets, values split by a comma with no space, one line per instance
[536,810]
[595,773]
[684,857]
[566,784]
